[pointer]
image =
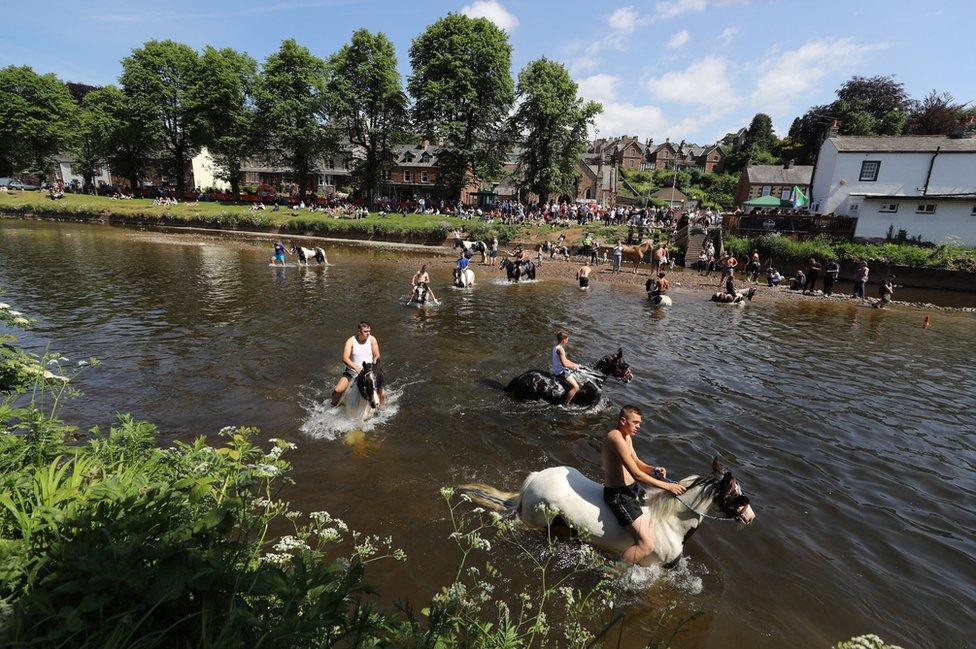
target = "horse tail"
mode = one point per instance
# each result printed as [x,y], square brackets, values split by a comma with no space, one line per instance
[497,500]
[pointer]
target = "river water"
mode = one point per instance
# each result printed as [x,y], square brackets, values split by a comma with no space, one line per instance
[851,429]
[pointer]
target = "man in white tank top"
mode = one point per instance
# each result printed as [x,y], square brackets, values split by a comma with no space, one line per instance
[359,349]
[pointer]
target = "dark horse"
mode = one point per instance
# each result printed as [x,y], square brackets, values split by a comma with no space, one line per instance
[536,384]
[518,270]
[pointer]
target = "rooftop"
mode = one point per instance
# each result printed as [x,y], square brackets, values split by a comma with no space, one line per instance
[904,143]
[779,175]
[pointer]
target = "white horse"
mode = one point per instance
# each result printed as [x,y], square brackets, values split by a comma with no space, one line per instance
[463,278]
[580,504]
[660,300]
[304,254]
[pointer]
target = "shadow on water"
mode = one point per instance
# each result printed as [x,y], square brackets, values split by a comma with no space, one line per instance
[850,428]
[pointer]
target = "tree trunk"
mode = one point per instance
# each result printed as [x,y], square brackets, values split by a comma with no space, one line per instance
[235,186]
[180,175]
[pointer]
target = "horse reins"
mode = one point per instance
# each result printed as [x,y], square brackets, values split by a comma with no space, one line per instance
[701,515]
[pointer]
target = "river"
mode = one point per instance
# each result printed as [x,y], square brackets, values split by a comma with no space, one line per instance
[852,429]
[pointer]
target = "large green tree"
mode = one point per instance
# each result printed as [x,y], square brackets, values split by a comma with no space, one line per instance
[759,145]
[292,111]
[463,93]
[936,114]
[37,120]
[158,79]
[368,104]
[226,91]
[120,131]
[552,123]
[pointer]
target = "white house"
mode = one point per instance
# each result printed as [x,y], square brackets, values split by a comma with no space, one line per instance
[67,175]
[924,185]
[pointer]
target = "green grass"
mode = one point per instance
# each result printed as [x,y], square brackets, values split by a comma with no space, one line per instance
[430,228]
[945,257]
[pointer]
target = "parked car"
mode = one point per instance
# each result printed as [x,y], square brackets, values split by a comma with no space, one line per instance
[11,183]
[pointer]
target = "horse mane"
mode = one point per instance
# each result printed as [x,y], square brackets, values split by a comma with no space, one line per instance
[700,487]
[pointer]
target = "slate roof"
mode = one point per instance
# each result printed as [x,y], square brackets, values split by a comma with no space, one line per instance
[779,175]
[903,143]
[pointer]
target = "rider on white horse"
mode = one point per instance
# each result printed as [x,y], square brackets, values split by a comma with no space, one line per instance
[622,471]
[359,349]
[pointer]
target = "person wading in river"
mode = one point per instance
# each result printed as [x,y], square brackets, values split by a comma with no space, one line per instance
[583,275]
[562,367]
[622,471]
[359,349]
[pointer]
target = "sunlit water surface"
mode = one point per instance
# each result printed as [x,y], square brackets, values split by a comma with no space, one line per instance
[850,428]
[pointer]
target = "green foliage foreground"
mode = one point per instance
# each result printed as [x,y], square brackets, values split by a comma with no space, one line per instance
[115,542]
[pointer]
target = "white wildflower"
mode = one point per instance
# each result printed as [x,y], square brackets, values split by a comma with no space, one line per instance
[15,313]
[227,431]
[399,555]
[267,470]
[289,543]
[329,535]
[447,492]
[21,322]
[280,559]
[4,305]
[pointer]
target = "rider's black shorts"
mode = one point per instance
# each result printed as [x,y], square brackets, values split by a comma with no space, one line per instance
[625,503]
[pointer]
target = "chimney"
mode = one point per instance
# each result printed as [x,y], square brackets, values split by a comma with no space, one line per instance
[834,129]
[789,164]
[424,143]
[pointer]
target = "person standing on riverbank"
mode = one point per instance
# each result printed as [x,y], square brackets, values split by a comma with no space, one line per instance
[623,473]
[618,255]
[861,279]
[359,349]
[831,272]
[813,271]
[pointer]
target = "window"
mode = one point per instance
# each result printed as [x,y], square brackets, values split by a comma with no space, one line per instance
[423,176]
[869,170]
[890,208]
[926,208]
[853,208]
[408,157]
[974,210]
[767,190]
[425,158]
[785,194]
[408,176]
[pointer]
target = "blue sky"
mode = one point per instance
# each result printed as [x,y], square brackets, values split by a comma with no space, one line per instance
[684,69]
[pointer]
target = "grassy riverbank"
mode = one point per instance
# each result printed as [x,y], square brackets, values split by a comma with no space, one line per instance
[430,229]
[784,249]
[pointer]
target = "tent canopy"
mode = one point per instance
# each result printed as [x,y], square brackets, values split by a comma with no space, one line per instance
[768,201]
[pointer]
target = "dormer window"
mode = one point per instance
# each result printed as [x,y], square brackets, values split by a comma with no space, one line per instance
[425,158]
[408,157]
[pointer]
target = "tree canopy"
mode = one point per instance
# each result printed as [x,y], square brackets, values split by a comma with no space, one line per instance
[368,103]
[37,120]
[293,109]
[158,79]
[552,123]
[463,93]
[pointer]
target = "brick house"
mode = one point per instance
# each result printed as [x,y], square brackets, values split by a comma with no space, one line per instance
[685,156]
[772,180]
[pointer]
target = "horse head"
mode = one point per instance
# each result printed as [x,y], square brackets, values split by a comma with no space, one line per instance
[367,382]
[459,244]
[718,494]
[614,365]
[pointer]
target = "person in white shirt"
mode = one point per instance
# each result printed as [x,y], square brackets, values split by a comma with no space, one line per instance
[359,349]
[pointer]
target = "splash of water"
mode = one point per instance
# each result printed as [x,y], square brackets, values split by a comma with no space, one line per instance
[325,422]
[682,575]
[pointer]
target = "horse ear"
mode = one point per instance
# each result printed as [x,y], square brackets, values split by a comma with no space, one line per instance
[717,466]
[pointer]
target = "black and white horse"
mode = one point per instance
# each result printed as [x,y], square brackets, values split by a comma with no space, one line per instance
[304,254]
[518,270]
[471,247]
[740,296]
[580,505]
[421,296]
[536,384]
[362,396]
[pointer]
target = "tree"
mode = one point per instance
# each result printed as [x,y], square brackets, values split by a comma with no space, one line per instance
[878,95]
[552,122]
[937,114]
[123,132]
[292,110]
[228,128]
[368,102]
[37,120]
[158,79]
[760,133]
[463,93]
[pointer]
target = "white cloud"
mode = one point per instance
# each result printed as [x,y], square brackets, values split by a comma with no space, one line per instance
[787,76]
[727,35]
[625,118]
[679,40]
[599,87]
[623,19]
[672,8]
[705,81]
[493,11]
